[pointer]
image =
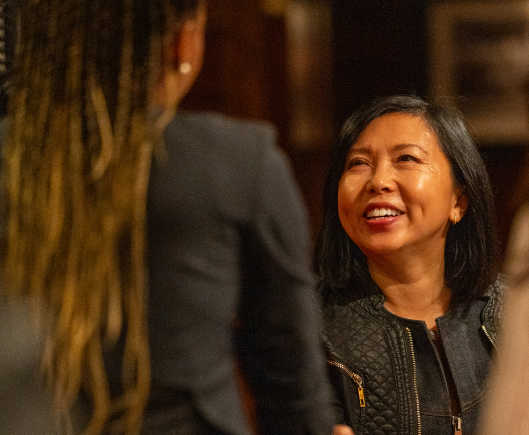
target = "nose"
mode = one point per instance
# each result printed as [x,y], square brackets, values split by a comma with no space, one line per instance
[381,179]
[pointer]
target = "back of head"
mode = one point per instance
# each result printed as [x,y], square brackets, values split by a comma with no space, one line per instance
[471,251]
[75,172]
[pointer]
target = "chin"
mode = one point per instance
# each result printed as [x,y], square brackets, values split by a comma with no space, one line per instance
[378,250]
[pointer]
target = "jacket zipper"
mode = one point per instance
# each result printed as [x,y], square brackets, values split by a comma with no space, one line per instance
[456,423]
[415,382]
[489,337]
[356,379]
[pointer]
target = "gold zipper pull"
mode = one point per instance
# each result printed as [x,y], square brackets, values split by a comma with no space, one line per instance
[456,422]
[361,397]
[356,379]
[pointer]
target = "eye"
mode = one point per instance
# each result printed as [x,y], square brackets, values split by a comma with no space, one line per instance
[408,158]
[355,162]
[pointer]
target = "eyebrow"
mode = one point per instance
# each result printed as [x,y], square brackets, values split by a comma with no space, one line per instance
[398,147]
[402,146]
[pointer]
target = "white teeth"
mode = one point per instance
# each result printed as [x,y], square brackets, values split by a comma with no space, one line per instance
[381,212]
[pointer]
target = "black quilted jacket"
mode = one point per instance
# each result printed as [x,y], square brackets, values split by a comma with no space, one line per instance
[372,364]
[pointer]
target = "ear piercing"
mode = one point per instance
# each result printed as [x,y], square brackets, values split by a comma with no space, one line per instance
[185,68]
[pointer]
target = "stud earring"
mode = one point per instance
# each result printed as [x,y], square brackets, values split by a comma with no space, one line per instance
[185,68]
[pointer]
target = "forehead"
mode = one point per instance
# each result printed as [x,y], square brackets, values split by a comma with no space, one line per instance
[398,129]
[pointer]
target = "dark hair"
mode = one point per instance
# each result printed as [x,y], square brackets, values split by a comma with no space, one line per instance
[471,251]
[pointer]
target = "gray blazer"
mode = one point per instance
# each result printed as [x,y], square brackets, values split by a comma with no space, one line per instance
[229,270]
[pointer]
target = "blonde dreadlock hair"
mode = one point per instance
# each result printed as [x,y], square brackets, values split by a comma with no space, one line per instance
[76,169]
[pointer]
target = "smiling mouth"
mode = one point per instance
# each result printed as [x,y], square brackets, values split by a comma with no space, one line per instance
[380,213]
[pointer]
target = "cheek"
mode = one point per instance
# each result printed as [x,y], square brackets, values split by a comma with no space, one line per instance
[431,193]
[423,188]
[345,197]
[347,204]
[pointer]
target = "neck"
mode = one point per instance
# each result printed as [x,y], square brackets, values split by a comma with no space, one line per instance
[414,287]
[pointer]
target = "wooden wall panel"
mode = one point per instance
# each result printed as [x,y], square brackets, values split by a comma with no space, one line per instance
[238,61]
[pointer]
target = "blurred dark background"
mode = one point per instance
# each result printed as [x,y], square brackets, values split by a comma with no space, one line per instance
[305,65]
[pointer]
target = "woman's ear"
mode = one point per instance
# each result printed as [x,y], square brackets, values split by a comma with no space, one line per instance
[183,55]
[460,206]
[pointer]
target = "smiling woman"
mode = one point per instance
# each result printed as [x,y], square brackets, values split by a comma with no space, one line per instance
[396,196]
[407,257]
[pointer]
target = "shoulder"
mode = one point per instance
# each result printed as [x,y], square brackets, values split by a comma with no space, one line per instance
[341,317]
[496,291]
[213,129]
[495,295]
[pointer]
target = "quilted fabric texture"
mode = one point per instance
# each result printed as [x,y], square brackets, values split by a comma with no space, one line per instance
[359,339]
[365,341]
[494,308]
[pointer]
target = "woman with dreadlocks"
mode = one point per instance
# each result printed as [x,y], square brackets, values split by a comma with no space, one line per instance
[213,229]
